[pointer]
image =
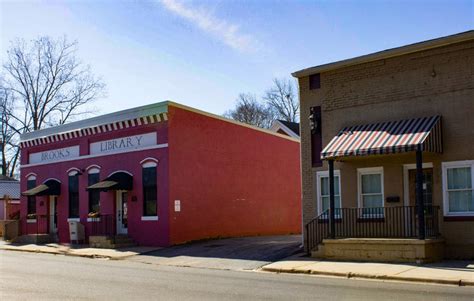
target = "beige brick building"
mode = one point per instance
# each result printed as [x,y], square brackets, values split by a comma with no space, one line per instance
[430,79]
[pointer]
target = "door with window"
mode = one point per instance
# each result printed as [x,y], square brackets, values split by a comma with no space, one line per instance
[122,212]
[427,185]
[53,214]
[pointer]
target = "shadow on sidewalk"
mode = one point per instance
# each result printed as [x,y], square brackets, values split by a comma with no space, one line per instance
[258,248]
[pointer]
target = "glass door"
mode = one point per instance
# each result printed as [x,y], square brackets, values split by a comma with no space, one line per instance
[53,214]
[122,212]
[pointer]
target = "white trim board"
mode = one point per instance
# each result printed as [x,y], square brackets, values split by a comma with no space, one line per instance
[163,145]
[149,218]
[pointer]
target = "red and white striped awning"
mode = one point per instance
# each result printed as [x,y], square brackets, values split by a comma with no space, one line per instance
[386,138]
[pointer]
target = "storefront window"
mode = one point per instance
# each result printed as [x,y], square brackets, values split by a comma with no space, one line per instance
[94,195]
[31,205]
[73,195]
[149,191]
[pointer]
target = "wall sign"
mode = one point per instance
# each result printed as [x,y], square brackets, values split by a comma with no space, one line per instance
[123,144]
[177,205]
[59,154]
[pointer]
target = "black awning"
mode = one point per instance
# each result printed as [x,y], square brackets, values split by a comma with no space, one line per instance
[117,181]
[50,187]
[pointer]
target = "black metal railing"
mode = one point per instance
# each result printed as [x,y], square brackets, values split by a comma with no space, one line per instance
[380,222]
[103,225]
[317,230]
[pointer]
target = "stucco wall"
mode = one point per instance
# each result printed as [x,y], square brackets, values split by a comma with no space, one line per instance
[438,81]
[231,180]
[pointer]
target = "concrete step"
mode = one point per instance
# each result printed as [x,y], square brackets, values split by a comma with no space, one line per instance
[318,251]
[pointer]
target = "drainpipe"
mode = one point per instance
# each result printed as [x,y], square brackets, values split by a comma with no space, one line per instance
[332,224]
[419,194]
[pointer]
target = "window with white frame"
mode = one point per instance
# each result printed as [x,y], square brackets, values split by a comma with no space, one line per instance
[31,200]
[73,194]
[150,190]
[458,192]
[323,191]
[370,186]
[94,194]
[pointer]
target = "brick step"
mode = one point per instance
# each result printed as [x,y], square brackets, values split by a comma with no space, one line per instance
[35,239]
[109,242]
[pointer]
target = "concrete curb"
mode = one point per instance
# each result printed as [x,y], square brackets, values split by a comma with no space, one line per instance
[68,253]
[34,251]
[99,256]
[459,282]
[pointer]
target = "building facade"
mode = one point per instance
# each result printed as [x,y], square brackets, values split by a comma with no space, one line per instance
[369,116]
[9,198]
[161,174]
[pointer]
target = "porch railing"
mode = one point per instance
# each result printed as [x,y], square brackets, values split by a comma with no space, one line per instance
[381,222]
[103,225]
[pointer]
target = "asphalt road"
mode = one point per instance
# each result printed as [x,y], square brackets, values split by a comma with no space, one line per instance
[29,276]
[241,253]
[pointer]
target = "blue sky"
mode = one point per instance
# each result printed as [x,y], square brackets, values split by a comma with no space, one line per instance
[204,53]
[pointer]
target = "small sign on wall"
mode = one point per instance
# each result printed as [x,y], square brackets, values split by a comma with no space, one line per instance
[59,154]
[177,205]
[123,144]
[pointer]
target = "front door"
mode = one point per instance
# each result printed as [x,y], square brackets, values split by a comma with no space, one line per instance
[53,214]
[427,196]
[427,186]
[122,212]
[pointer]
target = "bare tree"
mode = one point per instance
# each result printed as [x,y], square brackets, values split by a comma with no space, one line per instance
[8,145]
[282,99]
[250,111]
[47,84]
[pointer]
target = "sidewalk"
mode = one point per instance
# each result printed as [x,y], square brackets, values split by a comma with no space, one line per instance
[446,272]
[80,251]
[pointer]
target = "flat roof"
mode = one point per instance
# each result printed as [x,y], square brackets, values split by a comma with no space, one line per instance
[392,52]
[142,111]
